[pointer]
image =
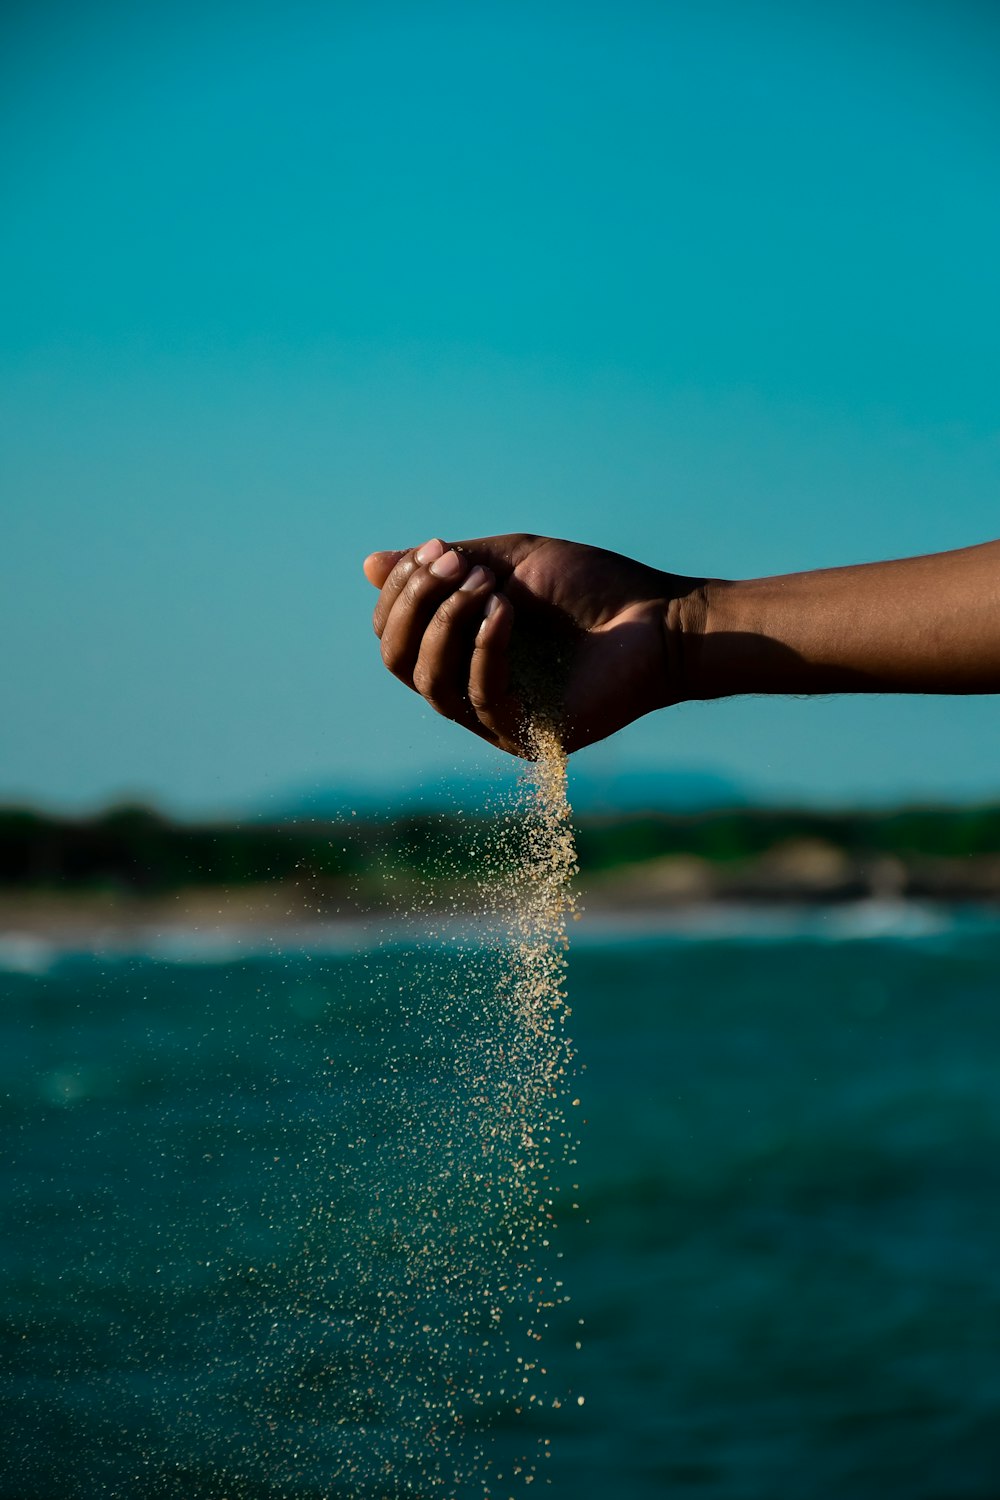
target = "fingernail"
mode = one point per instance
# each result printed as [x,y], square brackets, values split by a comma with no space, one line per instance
[448,566]
[429,551]
[475,580]
[493,604]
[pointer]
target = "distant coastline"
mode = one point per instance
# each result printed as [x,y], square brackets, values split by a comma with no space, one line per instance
[131,870]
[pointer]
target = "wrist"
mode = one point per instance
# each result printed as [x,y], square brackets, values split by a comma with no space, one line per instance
[925,624]
[692,667]
[744,644]
[786,634]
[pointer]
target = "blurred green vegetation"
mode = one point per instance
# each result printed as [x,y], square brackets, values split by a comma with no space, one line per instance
[138,850]
[135,849]
[747,833]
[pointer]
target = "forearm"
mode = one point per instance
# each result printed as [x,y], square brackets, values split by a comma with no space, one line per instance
[919,625]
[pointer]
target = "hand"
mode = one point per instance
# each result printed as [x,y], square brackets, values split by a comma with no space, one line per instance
[455,622]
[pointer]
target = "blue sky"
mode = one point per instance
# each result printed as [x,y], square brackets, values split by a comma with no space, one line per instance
[714,285]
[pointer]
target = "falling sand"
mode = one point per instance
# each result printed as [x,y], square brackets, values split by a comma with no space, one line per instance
[458,1322]
[406,1316]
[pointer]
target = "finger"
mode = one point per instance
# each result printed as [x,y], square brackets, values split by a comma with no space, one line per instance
[399,576]
[489,676]
[421,594]
[441,671]
[378,566]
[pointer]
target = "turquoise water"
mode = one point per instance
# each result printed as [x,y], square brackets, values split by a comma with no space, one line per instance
[786,1256]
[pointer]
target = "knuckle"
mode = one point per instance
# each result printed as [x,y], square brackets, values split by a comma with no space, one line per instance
[392,657]
[410,590]
[445,618]
[436,693]
[423,681]
[446,709]
[419,584]
[401,572]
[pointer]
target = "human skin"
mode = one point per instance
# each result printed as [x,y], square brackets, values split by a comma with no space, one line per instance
[641,639]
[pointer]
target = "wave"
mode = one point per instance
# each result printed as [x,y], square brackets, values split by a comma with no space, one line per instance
[863,921]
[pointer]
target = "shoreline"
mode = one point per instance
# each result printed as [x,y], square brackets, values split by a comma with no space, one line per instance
[677,897]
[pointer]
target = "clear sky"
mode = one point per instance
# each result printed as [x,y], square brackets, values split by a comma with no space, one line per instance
[713,284]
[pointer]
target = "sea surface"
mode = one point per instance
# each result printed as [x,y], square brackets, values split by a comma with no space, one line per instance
[784,1271]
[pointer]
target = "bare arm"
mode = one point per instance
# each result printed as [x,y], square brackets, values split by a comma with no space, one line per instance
[641,639]
[918,625]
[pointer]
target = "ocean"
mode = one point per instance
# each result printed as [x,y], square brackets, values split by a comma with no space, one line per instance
[783,1275]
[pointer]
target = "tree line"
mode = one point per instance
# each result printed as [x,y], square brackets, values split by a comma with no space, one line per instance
[138,850]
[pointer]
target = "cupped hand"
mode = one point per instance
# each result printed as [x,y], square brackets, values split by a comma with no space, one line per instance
[455,619]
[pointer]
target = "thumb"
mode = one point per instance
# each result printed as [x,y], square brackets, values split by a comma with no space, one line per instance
[378,566]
